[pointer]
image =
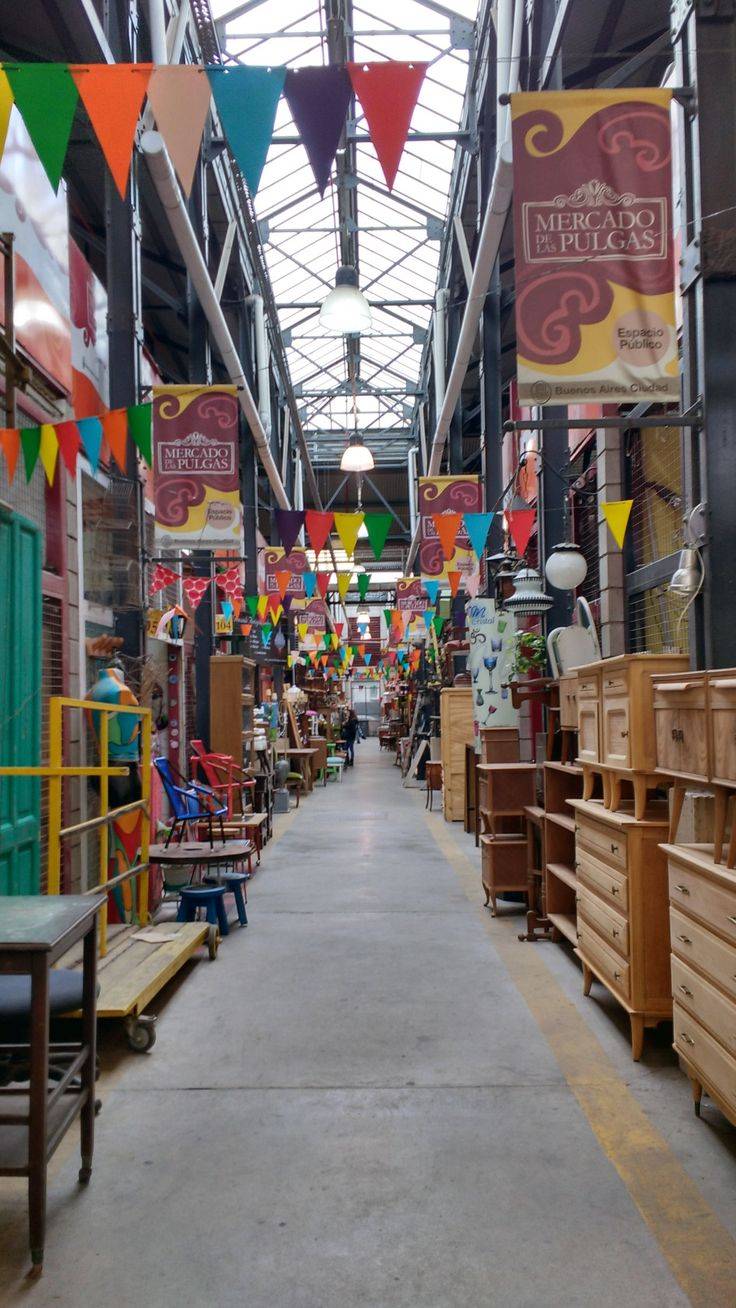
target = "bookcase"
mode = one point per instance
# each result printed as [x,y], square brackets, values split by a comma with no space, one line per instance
[232,700]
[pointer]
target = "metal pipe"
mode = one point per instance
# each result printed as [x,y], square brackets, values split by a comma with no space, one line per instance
[162,174]
[412,474]
[439,346]
[157,29]
[261,342]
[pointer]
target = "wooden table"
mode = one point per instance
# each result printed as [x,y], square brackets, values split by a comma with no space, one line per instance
[35,931]
[304,759]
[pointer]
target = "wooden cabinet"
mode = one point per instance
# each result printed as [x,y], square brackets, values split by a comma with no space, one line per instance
[505,790]
[569,702]
[456,731]
[703,931]
[622,911]
[588,696]
[232,699]
[681,725]
[722,705]
[499,745]
[503,866]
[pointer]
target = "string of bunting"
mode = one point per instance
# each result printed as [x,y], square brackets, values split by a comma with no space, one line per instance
[46,442]
[246,97]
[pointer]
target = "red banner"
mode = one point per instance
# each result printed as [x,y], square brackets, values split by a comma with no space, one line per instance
[276,560]
[446,495]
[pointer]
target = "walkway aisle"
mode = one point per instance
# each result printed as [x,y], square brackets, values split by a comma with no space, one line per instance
[352,1106]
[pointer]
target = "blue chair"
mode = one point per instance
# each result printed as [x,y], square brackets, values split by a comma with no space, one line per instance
[211,898]
[190,802]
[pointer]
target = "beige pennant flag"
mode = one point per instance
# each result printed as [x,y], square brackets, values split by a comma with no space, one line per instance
[179,96]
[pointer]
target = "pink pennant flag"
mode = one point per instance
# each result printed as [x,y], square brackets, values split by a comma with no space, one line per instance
[195,589]
[179,95]
[161,577]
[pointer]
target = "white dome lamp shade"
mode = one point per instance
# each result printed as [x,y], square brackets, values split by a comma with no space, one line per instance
[356,457]
[345,311]
[528,599]
[566,568]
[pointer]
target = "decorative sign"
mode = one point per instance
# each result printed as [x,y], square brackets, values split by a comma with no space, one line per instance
[276,561]
[595,305]
[490,660]
[196,467]
[312,613]
[223,624]
[410,595]
[446,495]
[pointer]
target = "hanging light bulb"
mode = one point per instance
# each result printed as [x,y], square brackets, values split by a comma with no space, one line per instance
[345,311]
[279,641]
[566,568]
[528,599]
[356,457]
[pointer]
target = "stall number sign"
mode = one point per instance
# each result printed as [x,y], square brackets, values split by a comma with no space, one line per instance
[223,624]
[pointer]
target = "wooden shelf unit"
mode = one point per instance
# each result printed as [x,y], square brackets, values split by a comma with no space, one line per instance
[563,782]
[232,699]
[505,791]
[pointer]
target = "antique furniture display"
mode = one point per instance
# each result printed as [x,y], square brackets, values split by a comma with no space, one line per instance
[504,792]
[232,700]
[562,784]
[456,731]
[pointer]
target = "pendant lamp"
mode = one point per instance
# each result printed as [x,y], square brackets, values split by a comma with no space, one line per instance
[528,599]
[566,568]
[356,457]
[345,311]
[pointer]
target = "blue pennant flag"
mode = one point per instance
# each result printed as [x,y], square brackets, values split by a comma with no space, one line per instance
[247,99]
[478,526]
[90,431]
[368,658]
[227,608]
[310,583]
[432,588]
[428,616]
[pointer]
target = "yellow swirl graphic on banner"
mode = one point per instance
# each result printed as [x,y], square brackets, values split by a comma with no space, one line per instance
[572,112]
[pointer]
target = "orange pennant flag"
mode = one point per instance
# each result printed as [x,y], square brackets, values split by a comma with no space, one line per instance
[447,526]
[10,444]
[113,96]
[282,581]
[246,627]
[179,96]
[454,580]
[115,431]
[237,607]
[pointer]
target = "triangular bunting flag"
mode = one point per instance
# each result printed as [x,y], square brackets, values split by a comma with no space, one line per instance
[30,439]
[302,629]
[478,526]
[6,104]
[438,623]
[339,627]
[266,633]
[347,526]
[139,427]
[67,434]
[48,451]
[447,526]
[318,99]
[160,577]
[237,607]
[247,99]
[195,589]
[617,514]
[388,93]
[368,657]
[471,583]
[283,577]
[229,580]
[520,523]
[343,582]
[364,582]
[261,606]
[113,95]
[227,608]
[323,581]
[252,603]
[179,96]
[90,432]
[334,640]
[377,525]
[289,523]
[10,444]
[47,99]
[275,609]
[246,628]
[319,526]
[454,580]
[115,431]
[310,583]
[428,616]
[432,589]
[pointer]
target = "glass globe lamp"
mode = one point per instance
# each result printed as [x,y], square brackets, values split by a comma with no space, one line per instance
[566,568]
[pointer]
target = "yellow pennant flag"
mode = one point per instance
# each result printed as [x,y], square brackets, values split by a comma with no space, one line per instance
[48,450]
[347,526]
[302,630]
[343,583]
[262,606]
[617,513]
[276,614]
[335,640]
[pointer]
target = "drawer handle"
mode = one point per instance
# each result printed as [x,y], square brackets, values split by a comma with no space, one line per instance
[678,734]
[676,686]
[687,941]
[685,991]
[732,919]
[725,683]
[683,890]
[688,1040]
[615,890]
[614,848]
[617,976]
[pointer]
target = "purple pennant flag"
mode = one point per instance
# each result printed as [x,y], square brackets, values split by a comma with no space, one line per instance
[289,523]
[318,99]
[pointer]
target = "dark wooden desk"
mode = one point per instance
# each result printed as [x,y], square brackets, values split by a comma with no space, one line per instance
[35,930]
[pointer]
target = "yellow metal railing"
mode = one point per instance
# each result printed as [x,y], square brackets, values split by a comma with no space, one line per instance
[56,772]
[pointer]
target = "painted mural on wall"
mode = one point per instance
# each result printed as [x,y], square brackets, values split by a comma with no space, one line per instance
[490,660]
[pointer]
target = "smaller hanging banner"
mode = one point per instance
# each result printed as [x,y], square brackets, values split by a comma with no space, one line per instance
[277,561]
[410,596]
[617,514]
[442,496]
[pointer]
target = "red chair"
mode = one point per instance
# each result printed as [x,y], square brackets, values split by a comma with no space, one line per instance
[224,777]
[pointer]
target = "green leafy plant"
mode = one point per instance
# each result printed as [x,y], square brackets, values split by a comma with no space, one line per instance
[530,653]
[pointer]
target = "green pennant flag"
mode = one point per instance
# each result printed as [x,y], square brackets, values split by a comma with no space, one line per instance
[438,623]
[388,615]
[139,429]
[364,582]
[30,439]
[267,628]
[252,602]
[47,99]
[377,525]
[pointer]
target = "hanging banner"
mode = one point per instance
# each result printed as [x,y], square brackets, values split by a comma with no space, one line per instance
[490,661]
[196,473]
[446,495]
[410,595]
[595,304]
[277,560]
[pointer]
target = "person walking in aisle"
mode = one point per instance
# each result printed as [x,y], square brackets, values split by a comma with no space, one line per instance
[350,734]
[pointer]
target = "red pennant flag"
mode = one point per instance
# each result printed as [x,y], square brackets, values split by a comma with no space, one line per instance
[115,431]
[113,95]
[520,523]
[70,443]
[161,577]
[229,581]
[447,526]
[319,526]
[454,580]
[338,628]
[388,93]
[282,581]
[323,580]
[10,444]
[195,589]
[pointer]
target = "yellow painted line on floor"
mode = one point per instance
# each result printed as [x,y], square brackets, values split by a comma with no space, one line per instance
[698,1248]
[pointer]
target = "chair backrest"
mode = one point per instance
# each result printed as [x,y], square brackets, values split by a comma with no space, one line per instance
[179,806]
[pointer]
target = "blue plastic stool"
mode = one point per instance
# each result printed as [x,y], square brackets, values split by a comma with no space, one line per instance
[212,898]
[233,882]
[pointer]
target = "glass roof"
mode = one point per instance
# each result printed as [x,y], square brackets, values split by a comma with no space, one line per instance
[374,387]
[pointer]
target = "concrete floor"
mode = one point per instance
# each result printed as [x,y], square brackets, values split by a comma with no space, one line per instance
[356,1105]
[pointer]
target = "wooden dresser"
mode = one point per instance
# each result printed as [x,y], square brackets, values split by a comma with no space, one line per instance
[504,792]
[703,930]
[622,910]
[456,731]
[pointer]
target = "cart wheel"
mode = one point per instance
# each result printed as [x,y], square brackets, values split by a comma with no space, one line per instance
[141,1033]
[213,941]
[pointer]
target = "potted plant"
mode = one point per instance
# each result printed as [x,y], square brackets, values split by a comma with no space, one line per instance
[530,654]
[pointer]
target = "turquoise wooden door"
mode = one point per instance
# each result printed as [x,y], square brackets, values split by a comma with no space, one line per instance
[20,702]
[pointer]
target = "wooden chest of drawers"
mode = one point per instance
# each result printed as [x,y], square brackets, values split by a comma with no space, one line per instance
[621,898]
[703,930]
